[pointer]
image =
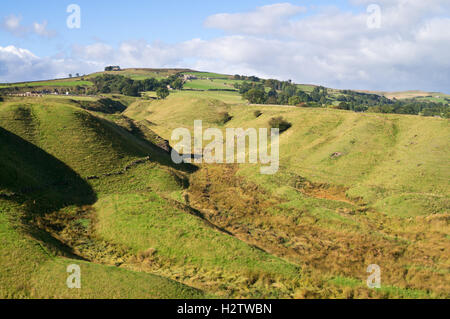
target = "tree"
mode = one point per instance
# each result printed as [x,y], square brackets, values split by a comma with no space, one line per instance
[177,84]
[70,75]
[131,90]
[105,89]
[343,106]
[272,93]
[256,96]
[294,100]
[283,98]
[245,87]
[304,97]
[151,84]
[162,93]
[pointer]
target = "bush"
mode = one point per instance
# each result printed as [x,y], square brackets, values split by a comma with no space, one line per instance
[224,117]
[343,106]
[257,113]
[280,123]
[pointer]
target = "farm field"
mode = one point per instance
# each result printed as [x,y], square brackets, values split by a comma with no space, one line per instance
[56,83]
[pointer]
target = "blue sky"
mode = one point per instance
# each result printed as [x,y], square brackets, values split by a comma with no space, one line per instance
[170,21]
[321,42]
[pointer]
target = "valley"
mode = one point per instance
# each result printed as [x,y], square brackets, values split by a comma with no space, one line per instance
[89,180]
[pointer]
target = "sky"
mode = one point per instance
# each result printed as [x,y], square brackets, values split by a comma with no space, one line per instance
[387,45]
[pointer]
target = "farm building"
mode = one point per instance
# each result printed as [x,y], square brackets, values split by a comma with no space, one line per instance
[112,68]
[188,77]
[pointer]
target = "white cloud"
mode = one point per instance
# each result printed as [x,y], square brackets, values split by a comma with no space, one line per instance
[329,47]
[41,29]
[263,20]
[12,24]
[17,64]
[97,51]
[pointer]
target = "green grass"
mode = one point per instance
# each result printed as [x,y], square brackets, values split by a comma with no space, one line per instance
[394,168]
[62,83]
[384,156]
[46,150]
[210,75]
[29,270]
[181,240]
[210,84]
[157,229]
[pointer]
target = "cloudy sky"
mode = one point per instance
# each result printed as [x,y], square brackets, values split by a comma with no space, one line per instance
[357,44]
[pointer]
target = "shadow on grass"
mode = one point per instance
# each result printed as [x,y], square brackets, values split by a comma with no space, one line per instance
[39,183]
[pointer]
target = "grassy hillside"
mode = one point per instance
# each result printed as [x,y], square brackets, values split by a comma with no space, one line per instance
[387,191]
[29,270]
[46,150]
[82,182]
[382,155]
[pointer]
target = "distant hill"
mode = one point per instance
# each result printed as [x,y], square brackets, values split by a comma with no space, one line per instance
[213,78]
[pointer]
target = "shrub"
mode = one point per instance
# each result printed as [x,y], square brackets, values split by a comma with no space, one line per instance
[224,117]
[257,113]
[280,123]
[343,106]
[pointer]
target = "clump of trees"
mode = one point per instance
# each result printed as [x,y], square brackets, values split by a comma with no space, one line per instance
[414,108]
[247,78]
[255,96]
[111,83]
[162,93]
[280,123]
[277,92]
[281,93]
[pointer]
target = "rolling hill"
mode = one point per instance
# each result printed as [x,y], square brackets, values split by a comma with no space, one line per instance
[89,181]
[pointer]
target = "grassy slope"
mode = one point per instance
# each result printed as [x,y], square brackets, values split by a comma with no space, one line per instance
[397,166]
[56,83]
[389,187]
[29,270]
[57,146]
[34,140]
[384,156]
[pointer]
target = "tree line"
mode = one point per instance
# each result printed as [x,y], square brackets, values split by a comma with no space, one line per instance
[111,83]
[282,93]
[287,93]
